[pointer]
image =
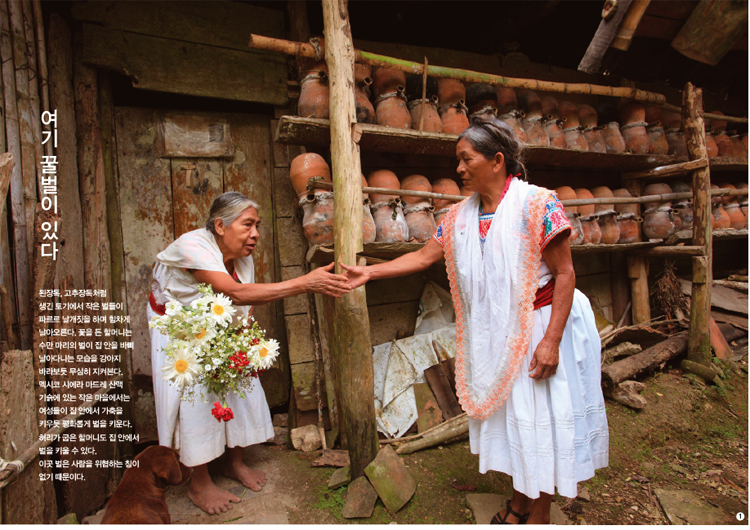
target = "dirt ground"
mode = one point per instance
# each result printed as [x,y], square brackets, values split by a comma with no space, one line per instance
[691,438]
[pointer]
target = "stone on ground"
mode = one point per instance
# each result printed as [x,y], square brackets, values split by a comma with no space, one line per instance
[341,477]
[428,410]
[624,349]
[69,518]
[306,438]
[281,420]
[391,479]
[628,393]
[360,499]
[486,505]
[685,507]
[583,494]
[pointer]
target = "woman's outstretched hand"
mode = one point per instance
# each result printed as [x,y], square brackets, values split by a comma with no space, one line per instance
[545,360]
[356,275]
[322,281]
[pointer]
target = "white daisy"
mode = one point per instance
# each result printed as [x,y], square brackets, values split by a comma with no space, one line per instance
[182,367]
[221,309]
[265,353]
[203,332]
[173,307]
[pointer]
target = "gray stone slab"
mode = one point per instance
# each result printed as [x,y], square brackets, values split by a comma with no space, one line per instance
[360,499]
[341,477]
[685,507]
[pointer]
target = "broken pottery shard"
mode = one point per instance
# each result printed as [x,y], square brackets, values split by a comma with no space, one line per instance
[391,479]
[332,458]
[427,407]
[340,477]
[627,393]
[360,499]
[718,342]
[306,438]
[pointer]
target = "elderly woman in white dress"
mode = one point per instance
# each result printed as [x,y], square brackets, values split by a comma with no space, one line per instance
[219,255]
[527,347]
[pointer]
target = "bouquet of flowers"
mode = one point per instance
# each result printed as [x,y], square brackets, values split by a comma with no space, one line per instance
[210,351]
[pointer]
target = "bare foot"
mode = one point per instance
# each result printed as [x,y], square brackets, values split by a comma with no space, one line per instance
[238,470]
[211,498]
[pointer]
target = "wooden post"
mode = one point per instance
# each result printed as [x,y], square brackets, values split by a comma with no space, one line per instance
[699,342]
[638,274]
[18,213]
[33,82]
[352,348]
[42,75]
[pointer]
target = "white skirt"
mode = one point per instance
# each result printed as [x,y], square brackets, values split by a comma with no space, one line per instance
[551,433]
[190,427]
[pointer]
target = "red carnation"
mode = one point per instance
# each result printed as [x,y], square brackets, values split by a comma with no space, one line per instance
[222,413]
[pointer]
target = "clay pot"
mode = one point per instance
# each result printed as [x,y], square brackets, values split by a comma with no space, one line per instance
[506,100]
[391,110]
[736,218]
[569,113]
[740,149]
[628,220]
[530,103]
[454,118]
[718,125]
[726,148]
[306,166]
[309,65]
[631,112]
[432,122]
[607,216]
[513,120]
[585,210]
[555,134]
[592,233]
[314,96]
[574,139]
[657,141]
[743,199]
[362,72]
[603,192]
[536,134]
[450,92]
[658,223]
[549,107]
[712,149]
[383,178]
[613,140]
[636,138]
[390,224]
[595,139]
[720,218]
[387,80]
[587,115]
[654,115]
[364,185]
[743,154]
[416,183]
[317,223]
[420,221]
[676,142]
[481,99]
[565,193]
[365,110]
[369,231]
[657,188]
[447,187]
[726,199]
[672,119]
[683,207]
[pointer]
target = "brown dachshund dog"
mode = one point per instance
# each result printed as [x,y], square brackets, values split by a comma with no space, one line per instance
[139,498]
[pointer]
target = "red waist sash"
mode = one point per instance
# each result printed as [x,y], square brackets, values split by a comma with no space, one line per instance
[161,309]
[544,295]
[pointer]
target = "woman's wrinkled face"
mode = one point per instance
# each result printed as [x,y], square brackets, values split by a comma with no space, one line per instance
[476,172]
[241,237]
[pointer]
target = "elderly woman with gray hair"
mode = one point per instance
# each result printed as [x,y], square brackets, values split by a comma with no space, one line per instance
[219,255]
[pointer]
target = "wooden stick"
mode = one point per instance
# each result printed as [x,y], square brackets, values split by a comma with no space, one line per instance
[18,216]
[437,428]
[302,49]
[10,337]
[436,438]
[42,72]
[708,115]
[671,251]
[666,171]
[325,185]
[28,456]
[33,83]
[624,314]
[424,95]
[737,286]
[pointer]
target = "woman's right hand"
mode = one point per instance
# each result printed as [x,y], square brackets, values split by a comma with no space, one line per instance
[323,282]
[357,275]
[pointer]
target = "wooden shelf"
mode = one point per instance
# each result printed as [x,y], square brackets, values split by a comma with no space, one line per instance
[315,132]
[727,163]
[389,251]
[719,235]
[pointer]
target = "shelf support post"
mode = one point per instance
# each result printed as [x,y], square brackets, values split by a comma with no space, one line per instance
[699,343]
[352,350]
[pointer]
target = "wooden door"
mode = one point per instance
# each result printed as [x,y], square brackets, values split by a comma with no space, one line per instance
[161,198]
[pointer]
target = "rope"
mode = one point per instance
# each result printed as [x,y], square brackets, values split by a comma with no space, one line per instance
[5,464]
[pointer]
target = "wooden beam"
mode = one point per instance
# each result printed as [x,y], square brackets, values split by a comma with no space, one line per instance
[671,251]
[352,348]
[6,169]
[712,30]
[302,49]
[638,274]
[605,34]
[699,343]
[629,25]
[667,171]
